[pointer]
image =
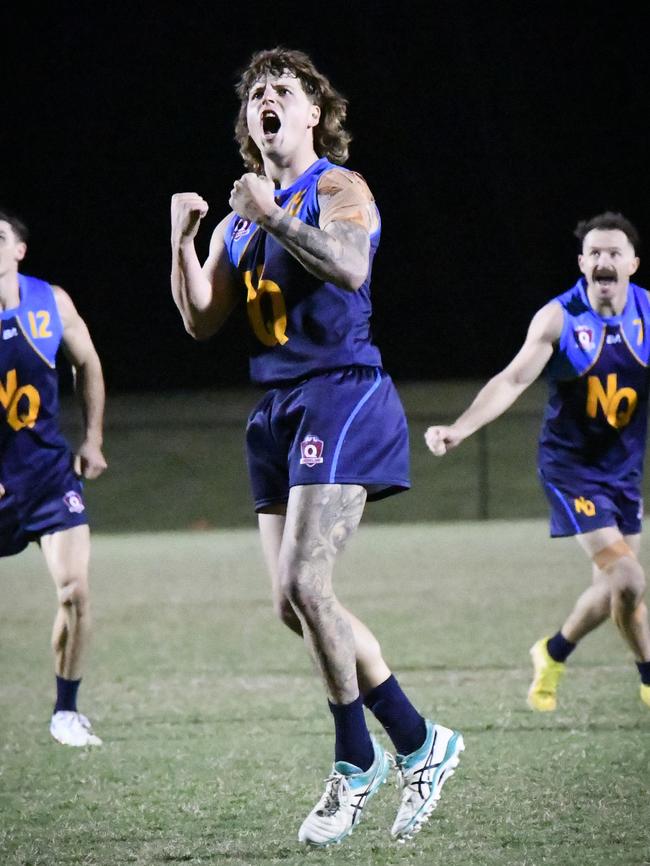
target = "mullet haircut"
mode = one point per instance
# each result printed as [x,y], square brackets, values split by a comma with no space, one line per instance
[606,222]
[330,138]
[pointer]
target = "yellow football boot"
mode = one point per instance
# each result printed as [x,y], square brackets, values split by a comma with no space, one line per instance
[548,672]
[645,694]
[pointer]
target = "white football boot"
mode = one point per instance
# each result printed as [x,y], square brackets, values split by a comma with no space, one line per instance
[347,791]
[422,775]
[73,729]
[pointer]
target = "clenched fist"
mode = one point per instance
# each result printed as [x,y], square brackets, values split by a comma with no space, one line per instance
[252,197]
[188,209]
[442,439]
[89,462]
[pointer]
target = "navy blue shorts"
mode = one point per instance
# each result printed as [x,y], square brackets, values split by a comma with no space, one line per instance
[578,507]
[27,514]
[344,426]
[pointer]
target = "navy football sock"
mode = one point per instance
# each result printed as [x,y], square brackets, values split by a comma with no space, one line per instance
[66,694]
[353,743]
[559,648]
[401,721]
[644,670]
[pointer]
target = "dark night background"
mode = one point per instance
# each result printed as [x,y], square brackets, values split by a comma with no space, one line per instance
[485,131]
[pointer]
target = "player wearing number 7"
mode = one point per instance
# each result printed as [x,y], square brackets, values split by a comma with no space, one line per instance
[330,431]
[594,341]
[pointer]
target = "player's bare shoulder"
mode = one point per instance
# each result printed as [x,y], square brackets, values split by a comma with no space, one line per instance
[65,306]
[218,260]
[547,323]
[219,270]
[345,195]
[219,232]
[336,180]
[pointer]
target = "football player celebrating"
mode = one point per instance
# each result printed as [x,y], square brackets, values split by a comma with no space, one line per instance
[330,432]
[594,341]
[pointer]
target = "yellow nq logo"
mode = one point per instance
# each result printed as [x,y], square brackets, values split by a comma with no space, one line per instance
[14,399]
[584,506]
[618,404]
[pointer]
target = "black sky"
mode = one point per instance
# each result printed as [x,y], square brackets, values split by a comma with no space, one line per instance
[485,131]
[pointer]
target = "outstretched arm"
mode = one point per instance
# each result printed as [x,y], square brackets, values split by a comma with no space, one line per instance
[89,385]
[502,390]
[338,250]
[205,296]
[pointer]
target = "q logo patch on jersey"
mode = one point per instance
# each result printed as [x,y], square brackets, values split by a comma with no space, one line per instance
[73,502]
[311,451]
[585,337]
[241,229]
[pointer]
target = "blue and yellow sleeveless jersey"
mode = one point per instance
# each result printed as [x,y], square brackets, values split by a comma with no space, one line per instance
[595,421]
[300,324]
[31,445]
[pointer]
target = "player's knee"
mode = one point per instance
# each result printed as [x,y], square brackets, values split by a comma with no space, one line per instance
[627,580]
[73,592]
[304,594]
[296,592]
[285,613]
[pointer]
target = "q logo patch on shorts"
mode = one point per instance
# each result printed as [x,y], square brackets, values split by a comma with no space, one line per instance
[311,451]
[74,502]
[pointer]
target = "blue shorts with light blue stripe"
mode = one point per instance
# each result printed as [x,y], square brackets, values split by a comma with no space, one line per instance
[33,510]
[344,426]
[578,506]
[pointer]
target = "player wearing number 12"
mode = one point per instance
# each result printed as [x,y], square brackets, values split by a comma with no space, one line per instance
[594,341]
[330,431]
[41,495]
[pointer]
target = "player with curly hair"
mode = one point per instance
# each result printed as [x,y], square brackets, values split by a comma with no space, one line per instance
[330,432]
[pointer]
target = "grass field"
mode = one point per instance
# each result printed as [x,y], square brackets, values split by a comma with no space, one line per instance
[217,737]
[176,461]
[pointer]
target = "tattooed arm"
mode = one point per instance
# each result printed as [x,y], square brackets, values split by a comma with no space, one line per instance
[338,250]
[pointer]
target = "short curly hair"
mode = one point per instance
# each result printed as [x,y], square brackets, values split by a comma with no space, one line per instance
[607,221]
[330,137]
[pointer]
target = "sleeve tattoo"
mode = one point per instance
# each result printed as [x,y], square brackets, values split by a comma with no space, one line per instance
[338,252]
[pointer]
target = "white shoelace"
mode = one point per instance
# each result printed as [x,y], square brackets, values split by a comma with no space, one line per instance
[337,794]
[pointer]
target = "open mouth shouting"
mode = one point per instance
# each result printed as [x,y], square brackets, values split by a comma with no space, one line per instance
[270,123]
[605,277]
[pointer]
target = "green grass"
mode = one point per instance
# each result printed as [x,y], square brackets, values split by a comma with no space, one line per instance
[217,736]
[176,461]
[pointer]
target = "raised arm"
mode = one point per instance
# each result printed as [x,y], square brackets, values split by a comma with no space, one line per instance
[205,296]
[89,385]
[338,250]
[502,390]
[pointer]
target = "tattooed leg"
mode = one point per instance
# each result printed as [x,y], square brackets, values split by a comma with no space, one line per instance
[320,519]
[371,667]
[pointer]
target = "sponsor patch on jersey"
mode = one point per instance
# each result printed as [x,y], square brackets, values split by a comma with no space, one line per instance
[9,333]
[311,450]
[585,337]
[612,338]
[241,229]
[74,502]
